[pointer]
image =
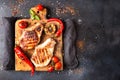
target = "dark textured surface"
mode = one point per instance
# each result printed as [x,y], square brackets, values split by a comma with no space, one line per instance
[99,30]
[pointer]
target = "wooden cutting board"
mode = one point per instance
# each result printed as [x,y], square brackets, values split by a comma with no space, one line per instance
[21,65]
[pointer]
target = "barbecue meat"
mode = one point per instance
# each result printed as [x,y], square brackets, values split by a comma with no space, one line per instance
[31,36]
[43,53]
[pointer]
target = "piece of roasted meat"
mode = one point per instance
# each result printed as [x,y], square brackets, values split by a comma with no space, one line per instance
[43,53]
[31,36]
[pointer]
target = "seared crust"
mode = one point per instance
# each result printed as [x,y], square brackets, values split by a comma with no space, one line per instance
[31,36]
[43,53]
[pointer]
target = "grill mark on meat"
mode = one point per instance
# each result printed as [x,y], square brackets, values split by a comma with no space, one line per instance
[30,39]
[38,60]
[30,36]
[47,54]
[44,53]
[39,53]
[35,59]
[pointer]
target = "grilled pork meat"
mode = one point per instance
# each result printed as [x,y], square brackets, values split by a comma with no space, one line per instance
[43,53]
[31,36]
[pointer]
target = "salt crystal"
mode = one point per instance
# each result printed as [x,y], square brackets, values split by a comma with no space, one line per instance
[79,21]
[70,72]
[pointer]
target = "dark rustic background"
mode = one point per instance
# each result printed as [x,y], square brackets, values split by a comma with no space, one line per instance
[98,42]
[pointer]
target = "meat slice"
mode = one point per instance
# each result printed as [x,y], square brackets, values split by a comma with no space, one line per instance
[43,53]
[31,36]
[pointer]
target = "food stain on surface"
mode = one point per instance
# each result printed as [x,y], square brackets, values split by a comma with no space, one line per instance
[65,10]
[20,1]
[78,71]
[81,44]
[15,10]
[71,10]
[15,7]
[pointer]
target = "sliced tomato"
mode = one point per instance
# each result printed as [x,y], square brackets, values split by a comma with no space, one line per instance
[39,7]
[50,69]
[55,59]
[23,24]
[58,65]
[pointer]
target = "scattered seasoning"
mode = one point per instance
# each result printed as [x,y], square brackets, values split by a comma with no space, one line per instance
[79,21]
[15,7]
[20,1]
[65,10]
[15,10]
[1,67]
[58,72]
[78,71]
[70,72]
[71,10]
[91,47]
